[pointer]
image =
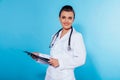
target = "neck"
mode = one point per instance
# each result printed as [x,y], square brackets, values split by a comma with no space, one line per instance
[64,31]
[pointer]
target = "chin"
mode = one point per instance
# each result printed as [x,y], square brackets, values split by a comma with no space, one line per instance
[67,28]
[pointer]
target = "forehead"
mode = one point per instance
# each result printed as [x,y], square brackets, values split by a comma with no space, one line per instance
[67,13]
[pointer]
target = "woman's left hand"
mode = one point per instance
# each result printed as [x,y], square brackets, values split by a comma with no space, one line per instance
[54,62]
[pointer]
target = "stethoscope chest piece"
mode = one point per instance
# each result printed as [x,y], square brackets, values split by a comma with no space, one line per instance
[69,48]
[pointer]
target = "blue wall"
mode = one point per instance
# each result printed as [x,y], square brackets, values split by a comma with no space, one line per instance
[29,24]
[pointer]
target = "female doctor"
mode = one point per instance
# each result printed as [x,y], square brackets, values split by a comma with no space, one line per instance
[67,48]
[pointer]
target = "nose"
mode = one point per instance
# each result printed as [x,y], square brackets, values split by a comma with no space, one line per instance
[66,20]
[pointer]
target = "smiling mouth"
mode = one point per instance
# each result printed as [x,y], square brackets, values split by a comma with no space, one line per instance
[66,24]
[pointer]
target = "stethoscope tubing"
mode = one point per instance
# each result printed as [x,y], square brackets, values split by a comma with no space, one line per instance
[56,36]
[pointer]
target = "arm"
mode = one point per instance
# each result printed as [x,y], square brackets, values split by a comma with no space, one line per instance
[76,57]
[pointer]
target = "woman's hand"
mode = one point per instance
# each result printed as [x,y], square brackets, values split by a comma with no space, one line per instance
[54,62]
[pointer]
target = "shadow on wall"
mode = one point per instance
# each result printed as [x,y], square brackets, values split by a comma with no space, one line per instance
[87,71]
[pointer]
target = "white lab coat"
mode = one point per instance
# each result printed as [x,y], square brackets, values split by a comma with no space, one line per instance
[68,60]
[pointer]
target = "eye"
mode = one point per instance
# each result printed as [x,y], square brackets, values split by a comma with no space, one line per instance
[70,18]
[63,17]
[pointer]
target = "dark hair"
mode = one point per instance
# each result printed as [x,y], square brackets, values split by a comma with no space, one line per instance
[67,8]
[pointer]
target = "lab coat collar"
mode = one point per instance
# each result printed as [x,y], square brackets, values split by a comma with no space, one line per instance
[65,36]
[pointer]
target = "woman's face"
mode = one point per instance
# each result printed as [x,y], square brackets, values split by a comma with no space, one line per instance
[66,19]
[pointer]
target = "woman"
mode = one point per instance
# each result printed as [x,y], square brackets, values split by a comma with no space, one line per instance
[67,48]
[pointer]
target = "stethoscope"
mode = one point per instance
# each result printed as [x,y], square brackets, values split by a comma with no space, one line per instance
[56,36]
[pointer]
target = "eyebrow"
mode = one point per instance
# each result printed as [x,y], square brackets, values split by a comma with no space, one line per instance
[65,16]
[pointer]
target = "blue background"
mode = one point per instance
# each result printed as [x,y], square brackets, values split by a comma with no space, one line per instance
[29,25]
